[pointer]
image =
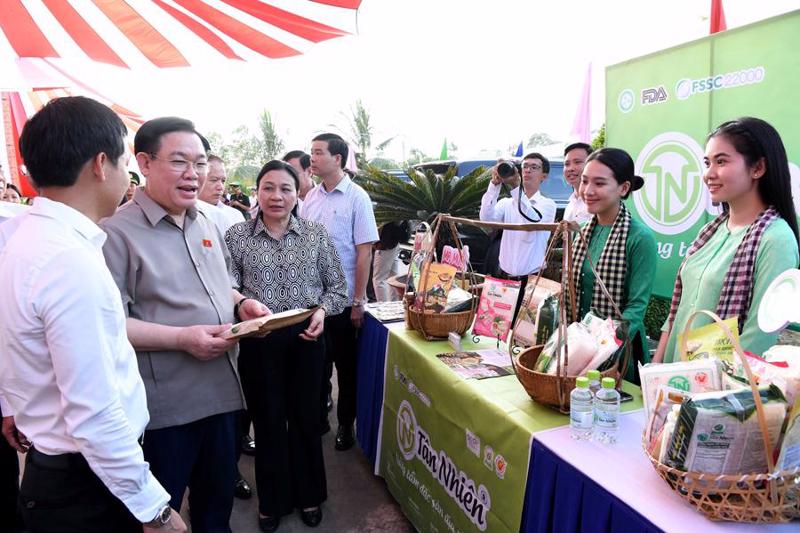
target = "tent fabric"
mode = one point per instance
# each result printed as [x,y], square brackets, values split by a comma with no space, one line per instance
[171,33]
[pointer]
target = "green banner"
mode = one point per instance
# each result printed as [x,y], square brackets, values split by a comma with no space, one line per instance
[455,452]
[661,107]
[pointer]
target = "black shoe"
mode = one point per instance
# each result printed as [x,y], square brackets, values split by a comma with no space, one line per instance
[344,438]
[311,518]
[248,445]
[269,524]
[242,490]
[326,426]
[329,403]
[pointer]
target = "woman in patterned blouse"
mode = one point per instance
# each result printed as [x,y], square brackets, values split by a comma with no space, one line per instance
[286,263]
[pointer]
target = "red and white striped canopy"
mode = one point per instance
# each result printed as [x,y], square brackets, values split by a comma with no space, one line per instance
[169,33]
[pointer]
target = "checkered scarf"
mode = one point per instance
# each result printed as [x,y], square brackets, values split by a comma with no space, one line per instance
[737,287]
[611,267]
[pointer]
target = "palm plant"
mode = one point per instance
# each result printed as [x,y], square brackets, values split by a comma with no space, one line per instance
[426,196]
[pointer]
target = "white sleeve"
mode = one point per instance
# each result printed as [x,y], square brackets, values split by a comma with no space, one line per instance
[76,317]
[5,407]
[491,209]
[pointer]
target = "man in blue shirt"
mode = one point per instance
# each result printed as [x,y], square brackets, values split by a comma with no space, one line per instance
[345,210]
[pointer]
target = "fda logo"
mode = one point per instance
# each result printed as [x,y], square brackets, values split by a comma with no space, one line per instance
[406,430]
[654,95]
[673,196]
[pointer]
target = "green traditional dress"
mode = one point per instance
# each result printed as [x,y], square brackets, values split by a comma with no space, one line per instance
[640,253]
[704,273]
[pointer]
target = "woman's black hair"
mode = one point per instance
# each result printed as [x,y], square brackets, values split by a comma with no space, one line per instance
[621,166]
[755,139]
[276,164]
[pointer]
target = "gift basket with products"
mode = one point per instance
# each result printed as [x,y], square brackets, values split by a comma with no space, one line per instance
[551,347]
[441,289]
[723,425]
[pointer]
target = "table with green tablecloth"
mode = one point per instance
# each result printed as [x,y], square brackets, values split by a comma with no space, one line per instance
[455,452]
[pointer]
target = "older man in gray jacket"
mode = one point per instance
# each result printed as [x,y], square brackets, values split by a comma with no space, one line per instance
[171,267]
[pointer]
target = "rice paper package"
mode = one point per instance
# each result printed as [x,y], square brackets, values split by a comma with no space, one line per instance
[719,433]
[700,375]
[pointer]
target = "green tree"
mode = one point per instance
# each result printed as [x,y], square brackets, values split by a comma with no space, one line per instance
[599,140]
[426,196]
[272,144]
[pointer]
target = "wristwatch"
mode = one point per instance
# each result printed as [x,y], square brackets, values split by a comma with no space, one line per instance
[359,302]
[162,518]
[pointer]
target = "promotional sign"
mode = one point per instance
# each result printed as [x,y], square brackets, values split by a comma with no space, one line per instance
[661,108]
[454,466]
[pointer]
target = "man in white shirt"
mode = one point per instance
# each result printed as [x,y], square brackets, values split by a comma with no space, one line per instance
[212,191]
[521,252]
[345,210]
[575,156]
[68,375]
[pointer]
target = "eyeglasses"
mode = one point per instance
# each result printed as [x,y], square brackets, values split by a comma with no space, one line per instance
[181,165]
[532,167]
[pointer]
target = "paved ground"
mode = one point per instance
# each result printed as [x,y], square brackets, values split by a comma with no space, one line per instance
[358,501]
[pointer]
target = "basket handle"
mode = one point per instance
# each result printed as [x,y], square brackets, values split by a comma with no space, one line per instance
[762,419]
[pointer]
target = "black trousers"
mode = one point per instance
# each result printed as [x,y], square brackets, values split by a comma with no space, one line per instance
[9,487]
[342,349]
[202,456]
[281,379]
[61,494]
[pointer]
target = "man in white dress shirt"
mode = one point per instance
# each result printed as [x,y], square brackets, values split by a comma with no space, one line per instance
[575,156]
[521,252]
[212,191]
[68,374]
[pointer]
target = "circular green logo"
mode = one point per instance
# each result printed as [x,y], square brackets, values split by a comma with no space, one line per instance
[406,430]
[674,195]
[679,382]
[626,100]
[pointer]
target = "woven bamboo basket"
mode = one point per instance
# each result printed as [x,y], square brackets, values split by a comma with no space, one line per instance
[434,326]
[754,498]
[547,389]
[553,390]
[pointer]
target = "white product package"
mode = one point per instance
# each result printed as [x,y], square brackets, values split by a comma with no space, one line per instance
[700,375]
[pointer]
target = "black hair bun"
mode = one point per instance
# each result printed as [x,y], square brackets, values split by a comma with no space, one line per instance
[637,182]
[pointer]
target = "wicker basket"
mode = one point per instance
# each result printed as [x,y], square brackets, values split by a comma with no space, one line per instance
[434,326]
[547,389]
[754,498]
[553,390]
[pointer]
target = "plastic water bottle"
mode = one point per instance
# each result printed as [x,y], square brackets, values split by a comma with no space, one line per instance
[594,381]
[580,410]
[606,412]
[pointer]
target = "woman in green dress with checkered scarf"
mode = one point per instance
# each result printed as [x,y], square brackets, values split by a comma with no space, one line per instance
[622,249]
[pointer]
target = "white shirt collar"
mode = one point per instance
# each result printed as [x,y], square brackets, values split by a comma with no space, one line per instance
[70,216]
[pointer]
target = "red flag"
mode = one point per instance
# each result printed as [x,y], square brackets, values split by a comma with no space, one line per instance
[717,17]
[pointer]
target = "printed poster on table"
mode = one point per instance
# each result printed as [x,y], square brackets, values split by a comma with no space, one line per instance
[446,458]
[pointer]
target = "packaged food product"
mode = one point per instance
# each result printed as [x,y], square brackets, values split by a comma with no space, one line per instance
[719,433]
[526,326]
[458,300]
[664,436]
[790,448]
[781,373]
[700,375]
[436,280]
[666,398]
[711,341]
[496,308]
